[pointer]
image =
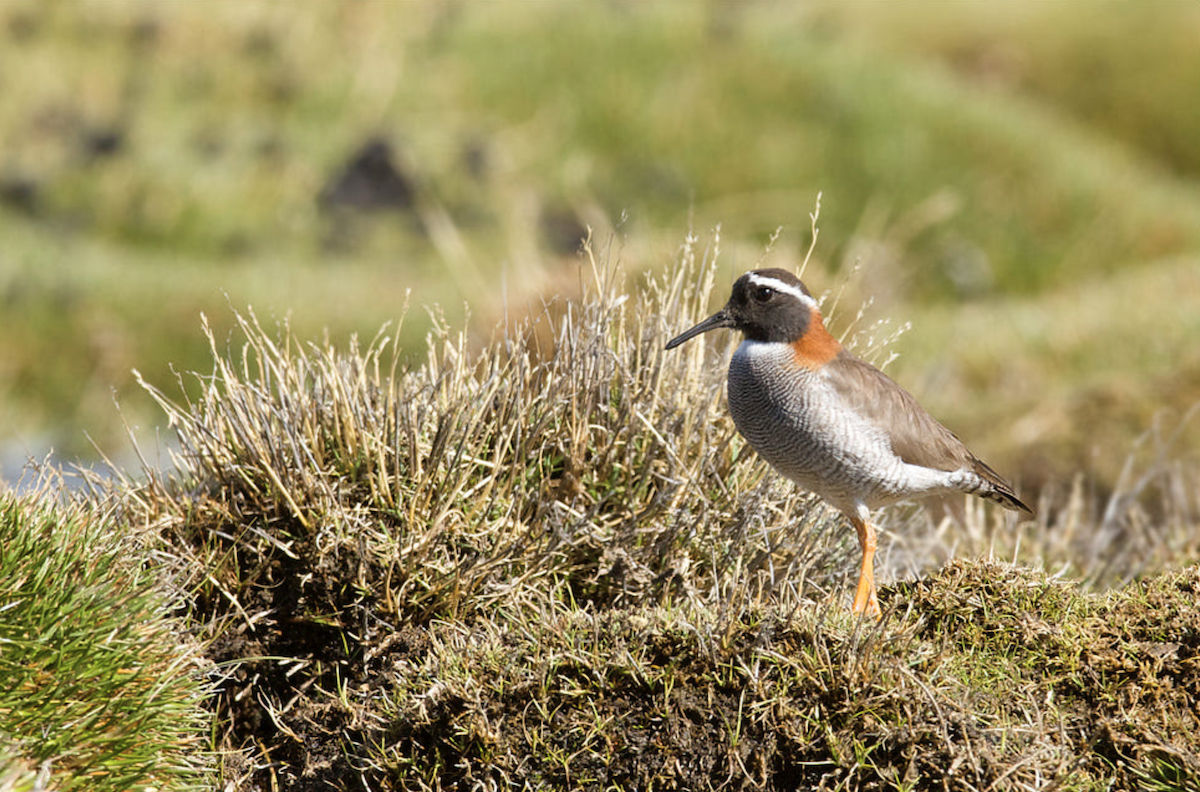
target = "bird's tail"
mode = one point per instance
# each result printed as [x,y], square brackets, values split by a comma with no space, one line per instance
[1007,499]
[998,490]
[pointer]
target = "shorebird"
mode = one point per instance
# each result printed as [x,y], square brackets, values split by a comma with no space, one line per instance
[831,422]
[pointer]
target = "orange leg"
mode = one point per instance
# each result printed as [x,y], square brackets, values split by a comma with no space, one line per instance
[865,600]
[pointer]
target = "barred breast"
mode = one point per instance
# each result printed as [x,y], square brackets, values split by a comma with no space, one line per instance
[796,421]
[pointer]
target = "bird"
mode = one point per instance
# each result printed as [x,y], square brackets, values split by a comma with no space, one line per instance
[833,423]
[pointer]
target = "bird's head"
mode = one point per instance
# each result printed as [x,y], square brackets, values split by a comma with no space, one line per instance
[769,305]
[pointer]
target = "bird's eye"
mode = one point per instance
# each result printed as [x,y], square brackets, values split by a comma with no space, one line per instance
[763,293]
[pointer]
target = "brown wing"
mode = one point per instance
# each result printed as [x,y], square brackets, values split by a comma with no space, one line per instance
[917,437]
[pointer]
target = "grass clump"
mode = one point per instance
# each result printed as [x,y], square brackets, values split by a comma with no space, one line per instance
[99,689]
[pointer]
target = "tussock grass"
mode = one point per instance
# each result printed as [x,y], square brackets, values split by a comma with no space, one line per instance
[548,561]
[599,452]
[99,688]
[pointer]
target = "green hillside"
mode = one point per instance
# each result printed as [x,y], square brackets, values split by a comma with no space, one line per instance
[167,159]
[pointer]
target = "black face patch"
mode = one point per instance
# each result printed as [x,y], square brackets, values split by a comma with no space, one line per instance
[764,306]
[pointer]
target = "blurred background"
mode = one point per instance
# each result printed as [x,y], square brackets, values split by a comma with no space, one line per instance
[1018,181]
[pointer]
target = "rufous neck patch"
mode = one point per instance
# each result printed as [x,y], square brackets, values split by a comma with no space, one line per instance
[816,347]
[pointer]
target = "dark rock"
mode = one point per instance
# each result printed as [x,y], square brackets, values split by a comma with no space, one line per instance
[20,193]
[562,230]
[102,142]
[370,181]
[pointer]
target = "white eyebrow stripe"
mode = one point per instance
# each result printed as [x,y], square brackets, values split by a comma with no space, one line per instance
[786,288]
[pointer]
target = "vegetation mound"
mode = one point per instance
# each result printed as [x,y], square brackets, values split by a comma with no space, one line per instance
[984,676]
[548,562]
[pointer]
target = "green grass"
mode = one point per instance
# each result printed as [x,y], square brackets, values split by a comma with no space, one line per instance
[1083,65]
[101,689]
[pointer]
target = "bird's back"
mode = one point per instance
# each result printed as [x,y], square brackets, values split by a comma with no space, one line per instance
[915,436]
